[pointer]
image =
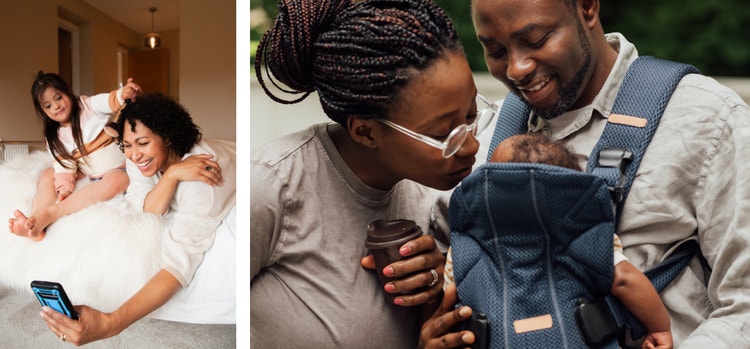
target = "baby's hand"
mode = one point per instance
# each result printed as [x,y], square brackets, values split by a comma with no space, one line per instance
[658,340]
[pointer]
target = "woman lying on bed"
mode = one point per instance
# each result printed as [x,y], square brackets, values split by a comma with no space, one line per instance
[172,173]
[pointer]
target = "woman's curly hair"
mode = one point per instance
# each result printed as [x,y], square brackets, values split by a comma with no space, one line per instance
[164,117]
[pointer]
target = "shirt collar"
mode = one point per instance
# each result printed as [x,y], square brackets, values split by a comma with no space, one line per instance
[572,121]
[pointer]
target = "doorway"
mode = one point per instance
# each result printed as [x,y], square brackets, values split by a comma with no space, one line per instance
[150,68]
[65,55]
[68,57]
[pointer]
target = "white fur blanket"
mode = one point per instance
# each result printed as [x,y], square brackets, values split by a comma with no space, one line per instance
[101,255]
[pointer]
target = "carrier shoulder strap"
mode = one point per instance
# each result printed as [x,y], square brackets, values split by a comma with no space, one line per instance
[640,103]
[645,92]
[513,119]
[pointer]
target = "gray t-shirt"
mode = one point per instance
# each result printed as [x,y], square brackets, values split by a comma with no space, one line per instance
[308,221]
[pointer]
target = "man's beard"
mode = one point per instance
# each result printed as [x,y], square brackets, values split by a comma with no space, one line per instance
[570,92]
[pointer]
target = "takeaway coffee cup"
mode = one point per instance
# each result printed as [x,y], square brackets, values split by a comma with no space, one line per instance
[384,238]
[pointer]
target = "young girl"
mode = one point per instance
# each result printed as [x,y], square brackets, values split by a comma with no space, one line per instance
[74,129]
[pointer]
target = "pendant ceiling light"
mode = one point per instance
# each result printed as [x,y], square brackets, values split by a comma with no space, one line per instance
[153,40]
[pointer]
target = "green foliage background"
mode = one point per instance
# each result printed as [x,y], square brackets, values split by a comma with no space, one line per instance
[712,35]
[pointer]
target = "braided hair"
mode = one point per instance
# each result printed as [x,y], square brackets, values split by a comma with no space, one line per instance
[357,55]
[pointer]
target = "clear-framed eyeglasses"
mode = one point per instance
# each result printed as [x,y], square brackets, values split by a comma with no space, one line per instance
[486,112]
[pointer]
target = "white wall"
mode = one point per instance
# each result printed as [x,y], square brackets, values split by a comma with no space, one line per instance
[29,43]
[207,65]
[202,59]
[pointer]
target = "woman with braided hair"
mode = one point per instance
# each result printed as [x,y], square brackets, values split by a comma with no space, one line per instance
[392,76]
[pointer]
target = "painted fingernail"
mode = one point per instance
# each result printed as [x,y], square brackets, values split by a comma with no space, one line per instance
[388,271]
[404,250]
[390,287]
[398,301]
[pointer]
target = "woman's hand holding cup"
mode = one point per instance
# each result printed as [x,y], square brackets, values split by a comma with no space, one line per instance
[410,272]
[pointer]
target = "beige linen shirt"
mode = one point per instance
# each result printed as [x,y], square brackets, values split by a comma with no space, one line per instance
[692,184]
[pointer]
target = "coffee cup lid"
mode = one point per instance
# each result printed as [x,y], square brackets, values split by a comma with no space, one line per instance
[386,232]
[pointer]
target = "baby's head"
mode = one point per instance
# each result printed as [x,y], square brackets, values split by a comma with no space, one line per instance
[535,148]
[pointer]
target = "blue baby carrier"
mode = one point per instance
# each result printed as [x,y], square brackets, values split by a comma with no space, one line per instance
[533,243]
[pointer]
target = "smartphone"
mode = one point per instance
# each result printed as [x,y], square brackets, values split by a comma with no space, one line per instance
[53,295]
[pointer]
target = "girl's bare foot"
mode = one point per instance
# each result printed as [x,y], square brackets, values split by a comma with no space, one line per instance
[35,225]
[18,225]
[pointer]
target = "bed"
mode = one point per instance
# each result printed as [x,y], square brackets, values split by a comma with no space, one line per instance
[103,254]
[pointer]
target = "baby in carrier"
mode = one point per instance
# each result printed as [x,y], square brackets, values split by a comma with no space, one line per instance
[628,283]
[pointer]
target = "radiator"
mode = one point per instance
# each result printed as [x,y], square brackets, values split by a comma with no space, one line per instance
[11,151]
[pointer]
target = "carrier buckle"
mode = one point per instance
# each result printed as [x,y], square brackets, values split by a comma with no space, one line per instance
[616,158]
